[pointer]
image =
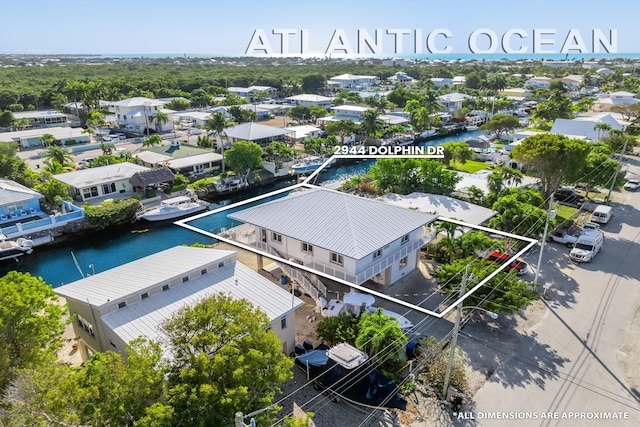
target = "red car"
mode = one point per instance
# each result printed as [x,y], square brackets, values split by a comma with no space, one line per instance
[500,258]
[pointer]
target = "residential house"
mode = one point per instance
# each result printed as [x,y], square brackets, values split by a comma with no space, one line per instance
[443,206]
[516,92]
[31,137]
[18,201]
[572,81]
[95,183]
[583,127]
[42,119]
[255,132]
[138,115]
[438,82]
[116,306]
[252,91]
[402,78]
[452,102]
[538,82]
[300,133]
[182,159]
[348,237]
[459,81]
[614,98]
[309,100]
[353,82]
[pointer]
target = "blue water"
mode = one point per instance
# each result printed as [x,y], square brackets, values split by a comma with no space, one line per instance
[102,251]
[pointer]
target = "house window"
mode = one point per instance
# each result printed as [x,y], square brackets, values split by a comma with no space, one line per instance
[88,327]
[307,248]
[185,279]
[276,237]
[403,262]
[90,192]
[109,188]
[221,264]
[283,323]
[112,344]
[165,287]
[124,117]
[263,235]
[145,295]
[203,271]
[337,259]
[405,239]
[377,254]
[122,304]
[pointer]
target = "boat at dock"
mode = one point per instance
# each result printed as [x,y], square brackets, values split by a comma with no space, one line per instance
[14,249]
[173,208]
[307,164]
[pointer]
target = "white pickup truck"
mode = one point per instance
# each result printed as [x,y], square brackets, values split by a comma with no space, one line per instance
[570,238]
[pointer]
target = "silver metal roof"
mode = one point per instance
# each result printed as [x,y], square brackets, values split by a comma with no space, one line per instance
[348,225]
[254,131]
[94,176]
[135,276]
[12,192]
[145,317]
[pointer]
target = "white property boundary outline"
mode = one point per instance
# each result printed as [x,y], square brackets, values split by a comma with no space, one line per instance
[306,184]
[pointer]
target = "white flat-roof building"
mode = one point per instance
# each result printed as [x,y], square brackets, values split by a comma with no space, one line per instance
[584,126]
[31,137]
[353,82]
[348,237]
[135,299]
[251,91]
[309,100]
[42,118]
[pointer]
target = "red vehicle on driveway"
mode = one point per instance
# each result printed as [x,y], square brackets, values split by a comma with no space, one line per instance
[500,258]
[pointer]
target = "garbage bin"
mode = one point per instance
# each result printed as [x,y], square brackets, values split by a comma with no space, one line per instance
[283,280]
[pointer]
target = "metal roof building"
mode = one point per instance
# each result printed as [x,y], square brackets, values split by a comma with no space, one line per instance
[134,299]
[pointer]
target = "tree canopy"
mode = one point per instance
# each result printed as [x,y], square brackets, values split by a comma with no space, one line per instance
[501,123]
[405,176]
[244,155]
[31,323]
[552,158]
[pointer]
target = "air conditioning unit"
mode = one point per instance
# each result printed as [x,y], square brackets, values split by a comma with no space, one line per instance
[175,143]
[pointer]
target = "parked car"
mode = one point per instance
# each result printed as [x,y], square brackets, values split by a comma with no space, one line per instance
[632,185]
[500,258]
[587,247]
[569,237]
[568,196]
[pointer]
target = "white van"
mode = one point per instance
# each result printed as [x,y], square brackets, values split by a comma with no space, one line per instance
[587,246]
[602,214]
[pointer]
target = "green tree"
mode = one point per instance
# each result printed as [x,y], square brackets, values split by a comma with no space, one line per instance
[53,190]
[552,158]
[501,179]
[217,124]
[313,83]
[6,118]
[599,168]
[224,360]
[242,115]
[106,390]
[11,166]
[278,149]
[505,292]
[151,141]
[337,329]
[515,216]
[405,176]
[59,154]
[501,123]
[370,124]
[21,123]
[244,155]
[31,323]
[340,128]
[381,338]
[457,151]
[47,139]
[160,118]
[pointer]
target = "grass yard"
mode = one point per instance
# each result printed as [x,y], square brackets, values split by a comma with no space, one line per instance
[564,212]
[470,166]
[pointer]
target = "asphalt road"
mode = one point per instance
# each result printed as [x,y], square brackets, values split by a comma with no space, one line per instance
[579,365]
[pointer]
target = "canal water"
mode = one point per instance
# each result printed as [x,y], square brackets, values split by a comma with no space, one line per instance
[102,251]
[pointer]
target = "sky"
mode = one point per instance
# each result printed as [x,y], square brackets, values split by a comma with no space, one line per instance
[328,27]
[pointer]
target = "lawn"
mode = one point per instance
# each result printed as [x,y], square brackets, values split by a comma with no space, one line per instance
[470,166]
[564,212]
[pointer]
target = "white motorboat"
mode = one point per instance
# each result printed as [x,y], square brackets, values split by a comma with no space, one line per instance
[472,127]
[14,249]
[175,207]
[307,164]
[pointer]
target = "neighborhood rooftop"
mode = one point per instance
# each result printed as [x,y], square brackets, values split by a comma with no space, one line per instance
[91,176]
[349,225]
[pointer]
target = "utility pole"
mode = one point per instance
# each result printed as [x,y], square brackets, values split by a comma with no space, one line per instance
[544,238]
[454,335]
[615,175]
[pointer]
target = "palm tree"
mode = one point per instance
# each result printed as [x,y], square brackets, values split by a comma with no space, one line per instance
[217,123]
[152,140]
[161,118]
[47,139]
[370,123]
[60,155]
[602,129]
